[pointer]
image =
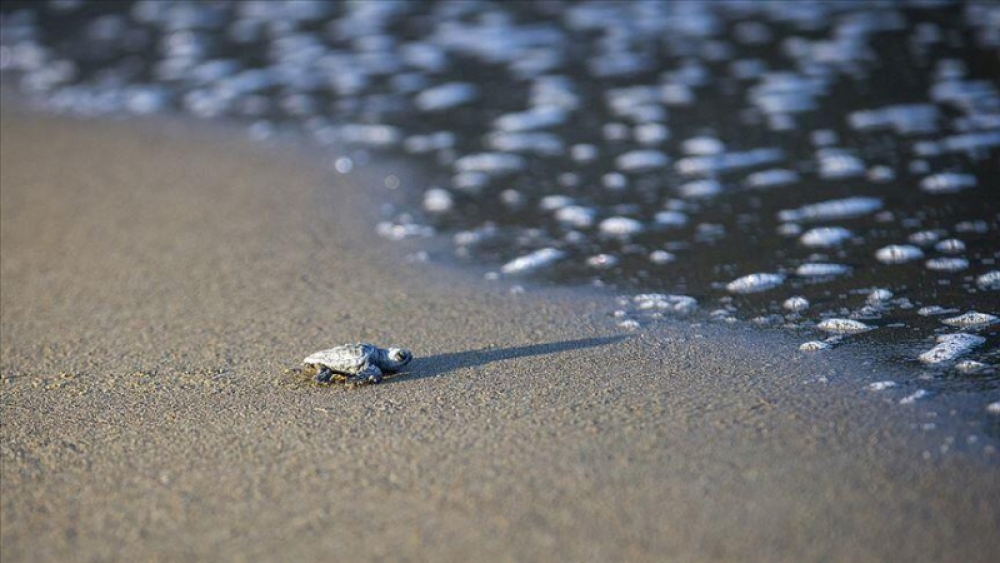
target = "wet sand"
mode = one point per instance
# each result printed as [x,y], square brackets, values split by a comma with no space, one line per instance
[159,282]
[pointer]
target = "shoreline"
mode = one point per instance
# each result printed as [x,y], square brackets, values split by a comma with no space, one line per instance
[159,281]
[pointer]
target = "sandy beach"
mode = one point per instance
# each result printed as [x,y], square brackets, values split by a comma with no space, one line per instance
[160,282]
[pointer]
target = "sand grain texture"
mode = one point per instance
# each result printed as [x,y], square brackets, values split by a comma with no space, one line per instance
[158,283]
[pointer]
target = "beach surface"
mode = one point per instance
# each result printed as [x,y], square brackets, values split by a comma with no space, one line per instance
[161,282]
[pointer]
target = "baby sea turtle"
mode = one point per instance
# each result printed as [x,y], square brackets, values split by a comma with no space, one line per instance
[357,363]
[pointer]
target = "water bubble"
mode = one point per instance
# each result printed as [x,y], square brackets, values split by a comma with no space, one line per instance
[576,216]
[970,366]
[755,283]
[438,200]
[670,219]
[602,261]
[832,209]
[947,183]
[821,269]
[989,280]
[796,304]
[879,297]
[950,246]
[947,264]
[950,347]
[532,262]
[641,160]
[622,227]
[814,346]
[583,152]
[774,177]
[843,326]
[825,236]
[913,397]
[446,96]
[490,163]
[343,164]
[972,319]
[661,257]
[700,189]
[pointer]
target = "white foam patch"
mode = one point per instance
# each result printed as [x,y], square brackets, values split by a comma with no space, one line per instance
[700,189]
[620,226]
[602,261]
[490,163]
[446,96]
[823,237]
[970,366]
[947,264]
[947,183]
[670,219]
[821,269]
[951,347]
[914,397]
[972,319]
[661,257]
[950,246]
[879,297]
[532,262]
[843,326]
[904,119]
[677,304]
[438,200]
[774,177]
[641,160]
[702,146]
[832,209]
[576,216]
[533,142]
[539,117]
[990,280]
[838,163]
[796,304]
[755,283]
[882,385]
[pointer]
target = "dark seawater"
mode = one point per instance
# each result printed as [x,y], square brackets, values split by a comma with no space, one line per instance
[848,152]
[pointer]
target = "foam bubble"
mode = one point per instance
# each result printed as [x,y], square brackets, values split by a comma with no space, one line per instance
[843,326]
[821,269]
[825,236]
[898,254]
[947,264]
[755,283]
[620,226]
[947,183]
[796,304]
[972,319]
[990,280]
[532,262]
[641,160]
[832,209]
[950,347]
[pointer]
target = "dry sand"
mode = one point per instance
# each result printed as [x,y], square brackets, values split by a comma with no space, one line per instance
[158,282]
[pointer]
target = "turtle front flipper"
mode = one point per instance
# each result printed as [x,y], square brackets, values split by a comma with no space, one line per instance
[323,374]
[370,374]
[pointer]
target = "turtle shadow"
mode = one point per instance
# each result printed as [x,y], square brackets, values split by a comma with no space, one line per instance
[441,364]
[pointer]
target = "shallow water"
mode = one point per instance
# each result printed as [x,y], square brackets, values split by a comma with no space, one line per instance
[794,165]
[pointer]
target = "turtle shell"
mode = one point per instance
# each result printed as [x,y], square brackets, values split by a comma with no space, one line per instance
[349,358]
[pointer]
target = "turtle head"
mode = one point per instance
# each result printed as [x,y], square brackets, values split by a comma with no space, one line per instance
[396,358]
